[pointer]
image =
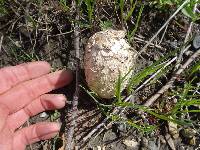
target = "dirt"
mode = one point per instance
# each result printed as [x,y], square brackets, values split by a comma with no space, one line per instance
[50,37]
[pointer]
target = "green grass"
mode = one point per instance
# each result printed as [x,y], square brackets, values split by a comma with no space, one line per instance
[184,93]
[137,79]
[133,9]
[131,34]
[3,9]
[19,54]
[187,10]
[64,5]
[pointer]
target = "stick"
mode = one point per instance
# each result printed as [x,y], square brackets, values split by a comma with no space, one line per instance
[70,142]
[163,35]
[141,40]
[1,41]
[171,81]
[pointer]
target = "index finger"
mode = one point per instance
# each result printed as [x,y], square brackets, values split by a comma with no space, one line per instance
[12,75]
[22,94]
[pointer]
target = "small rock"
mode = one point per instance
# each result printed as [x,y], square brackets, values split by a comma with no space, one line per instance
[122,128]
[162,140]
[43,115]
[109,136]
[188,133]
[131,143]
[144,143]
[196,42]
[100,148]
[153,146]
[192,141]
[173,131]
[170,141]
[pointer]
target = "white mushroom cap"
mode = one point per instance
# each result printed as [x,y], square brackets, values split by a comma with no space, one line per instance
[107,55]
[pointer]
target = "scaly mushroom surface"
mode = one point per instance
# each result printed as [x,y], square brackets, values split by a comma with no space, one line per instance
[107,54]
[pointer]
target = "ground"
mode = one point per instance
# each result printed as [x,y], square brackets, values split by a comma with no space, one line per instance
[44,30]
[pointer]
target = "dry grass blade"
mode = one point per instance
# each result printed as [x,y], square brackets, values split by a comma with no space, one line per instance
[166,23]
[186,39]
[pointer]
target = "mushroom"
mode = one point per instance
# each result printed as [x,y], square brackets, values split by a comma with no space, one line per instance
[108,55]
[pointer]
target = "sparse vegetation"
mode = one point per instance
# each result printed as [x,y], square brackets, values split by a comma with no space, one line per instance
[43,30]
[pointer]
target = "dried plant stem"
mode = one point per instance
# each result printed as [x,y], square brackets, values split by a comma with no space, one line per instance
[153,45]
[1,41]
[163,35]
[171,81]
[186,40]
[70,135]
[166,23]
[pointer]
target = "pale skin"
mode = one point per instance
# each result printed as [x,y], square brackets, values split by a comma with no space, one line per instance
[22,95]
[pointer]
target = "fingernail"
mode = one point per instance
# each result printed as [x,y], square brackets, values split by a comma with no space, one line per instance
[48,131]
[57,125]
[61,97]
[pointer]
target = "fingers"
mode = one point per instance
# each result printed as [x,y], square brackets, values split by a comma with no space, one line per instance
[34,133]
[24,93]
[45,102]
[10,76]
[3,115]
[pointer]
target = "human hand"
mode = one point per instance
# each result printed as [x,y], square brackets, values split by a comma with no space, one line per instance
[22,95]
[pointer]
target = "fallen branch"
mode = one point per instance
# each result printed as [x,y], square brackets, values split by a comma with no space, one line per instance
[70,135]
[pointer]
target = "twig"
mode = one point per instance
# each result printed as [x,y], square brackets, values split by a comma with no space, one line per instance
[1,41]
[155,45]
[49,35]
[171,81]
[70,143]
[167,64]
[186,40]
[163,35]
[166,23]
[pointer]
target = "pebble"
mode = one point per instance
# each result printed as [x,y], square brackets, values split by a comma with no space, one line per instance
[152,145]
[196,42]
[192,141]
[131,143]
[144,143]
[173,130]
[43,115]
[188,133]
[109,136]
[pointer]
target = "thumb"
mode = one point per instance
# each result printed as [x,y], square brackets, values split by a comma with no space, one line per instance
[4,112]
